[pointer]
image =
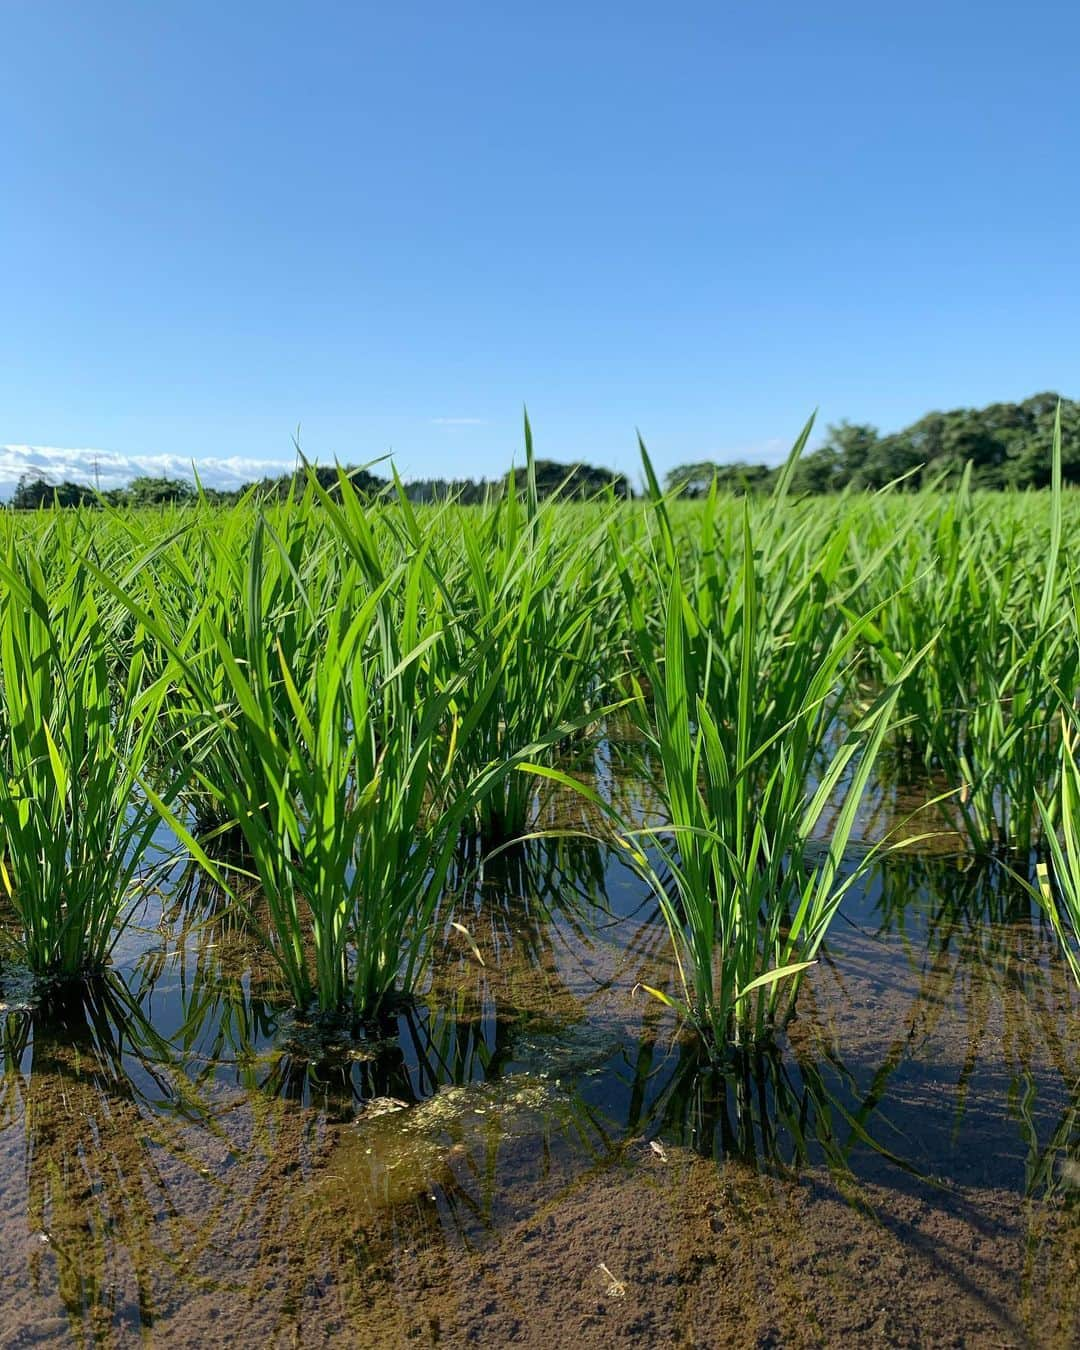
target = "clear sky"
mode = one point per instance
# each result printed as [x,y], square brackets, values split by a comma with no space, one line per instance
[394,224]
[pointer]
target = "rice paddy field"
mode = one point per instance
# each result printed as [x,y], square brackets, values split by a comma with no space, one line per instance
[652,923]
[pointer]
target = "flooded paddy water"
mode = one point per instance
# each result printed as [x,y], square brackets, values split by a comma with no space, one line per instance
[533,1154]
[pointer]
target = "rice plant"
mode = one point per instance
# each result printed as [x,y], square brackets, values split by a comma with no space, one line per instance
[531,593]
[1059,882]
[988,588]
[75,830]
[738,710]
[196,586]
[336,770]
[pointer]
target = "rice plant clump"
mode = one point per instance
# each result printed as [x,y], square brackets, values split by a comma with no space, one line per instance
[749,683]
[336,770]
[75,829]
[529,593]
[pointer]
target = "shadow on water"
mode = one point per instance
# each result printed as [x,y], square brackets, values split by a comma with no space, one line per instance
[86,1084]
[957,1017]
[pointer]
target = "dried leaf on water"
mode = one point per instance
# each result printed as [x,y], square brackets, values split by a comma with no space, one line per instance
[468,938]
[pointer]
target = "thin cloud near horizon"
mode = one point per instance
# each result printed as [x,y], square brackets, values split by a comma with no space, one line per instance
[111,470]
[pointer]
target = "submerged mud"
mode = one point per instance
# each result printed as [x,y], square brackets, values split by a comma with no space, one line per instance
[533,1154]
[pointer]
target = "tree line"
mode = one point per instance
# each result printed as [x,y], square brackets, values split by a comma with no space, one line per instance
[571,480]
[1006,444]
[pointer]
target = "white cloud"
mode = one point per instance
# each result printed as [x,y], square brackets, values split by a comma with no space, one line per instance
[110,469]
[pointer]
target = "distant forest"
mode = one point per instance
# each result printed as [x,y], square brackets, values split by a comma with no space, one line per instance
[1006,444]
[574,480]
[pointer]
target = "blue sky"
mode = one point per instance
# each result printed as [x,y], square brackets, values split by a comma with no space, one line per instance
[395,224]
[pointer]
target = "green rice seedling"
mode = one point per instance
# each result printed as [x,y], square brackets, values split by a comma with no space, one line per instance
[524,594]
[75,832]
[984,581]
[767,622]
[338,778]
[196,589]
[979,715]
[1008,753]
[1059,882]
[918,597]
[750,896]
[530,595]
[735,724]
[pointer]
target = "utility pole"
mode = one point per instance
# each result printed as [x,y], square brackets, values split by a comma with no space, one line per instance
[97,474]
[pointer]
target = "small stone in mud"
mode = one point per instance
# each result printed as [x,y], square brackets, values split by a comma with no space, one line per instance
[1070,1172]
[382,1106]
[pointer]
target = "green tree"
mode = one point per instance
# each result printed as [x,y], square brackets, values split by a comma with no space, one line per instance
[32,493]
[147,491]
[691,480]
[573,480]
